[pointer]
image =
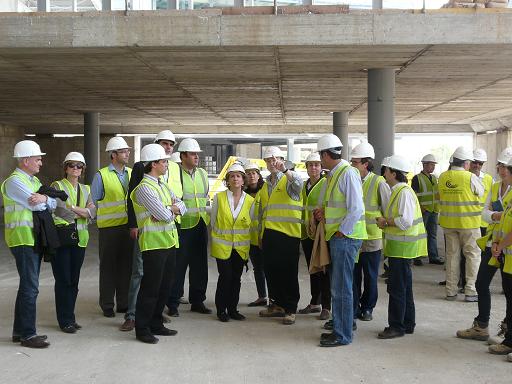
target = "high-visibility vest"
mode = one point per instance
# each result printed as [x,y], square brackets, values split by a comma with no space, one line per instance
[174,182]
[19,221]
[428,194]
[312,201]
[335,206]
[459,207]
[255,227]
[501,230]
[229,234]
[279,211]
[154,234]
[81,222]
[505,201]
[112,210]
[371,205]
[195,197]
[487,181]
[410,243]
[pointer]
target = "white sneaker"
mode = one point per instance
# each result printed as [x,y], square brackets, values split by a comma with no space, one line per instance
[509,357]
[500,336]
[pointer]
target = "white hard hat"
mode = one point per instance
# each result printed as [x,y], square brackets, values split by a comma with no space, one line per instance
[505,155]
[189,145]
[27,148]
[152,152]
[165,135]
[236,168]
[74,156]
[362,150]
[429,159]
[509,163]
[479,155]
[328,142]
[254,166]
[315,156]
[400,163]
[116,143]
[385,161]
[463,153]
[272,152]
[175,157]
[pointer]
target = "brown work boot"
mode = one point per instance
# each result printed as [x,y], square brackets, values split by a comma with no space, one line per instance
[476,332]
[127,326]
[289,319]
[272,311]
[500,349]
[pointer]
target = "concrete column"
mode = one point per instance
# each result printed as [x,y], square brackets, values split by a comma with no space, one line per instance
[292,154]
[340,129]
[377,4]
[106,5]
[190,4]
[238,3]
[173,4]
[381,112]
[43,6]
[74,6]
[307,2]
[91,144]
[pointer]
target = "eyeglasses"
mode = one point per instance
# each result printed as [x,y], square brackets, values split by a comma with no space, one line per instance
[123,151]
[478,163]
[75,165]
[356,162]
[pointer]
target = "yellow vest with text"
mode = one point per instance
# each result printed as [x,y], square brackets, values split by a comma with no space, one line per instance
[459,207]
[195,197]
[279,211]
[19,221]
[501,230]
[335,207]
[312,201]
[112,208]
[410,243]
[154,234]
[228,233]
[81,222]
[428,194]
[371,205]
[487,181]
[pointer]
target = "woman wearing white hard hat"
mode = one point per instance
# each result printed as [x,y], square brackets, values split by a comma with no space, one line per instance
[254,183]
[479,159]
[71,219]
[232,213]
[156,208]
[405,239]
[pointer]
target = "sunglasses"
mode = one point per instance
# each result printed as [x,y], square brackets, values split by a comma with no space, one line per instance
[478,162]
[75,165]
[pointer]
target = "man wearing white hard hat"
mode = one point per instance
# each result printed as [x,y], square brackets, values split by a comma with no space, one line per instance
[19,192]
[479,159]
[376,197]
[156,208]
[345,230]
[460,210]
[193,250]
[425,186]
[281,210]
[109,190]
[405,239]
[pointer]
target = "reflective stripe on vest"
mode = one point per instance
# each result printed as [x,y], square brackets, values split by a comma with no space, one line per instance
[371,205]
[312,201]
[428,194]
[112,208]
[195,197]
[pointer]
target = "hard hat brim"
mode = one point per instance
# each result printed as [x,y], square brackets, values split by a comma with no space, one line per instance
[34,155]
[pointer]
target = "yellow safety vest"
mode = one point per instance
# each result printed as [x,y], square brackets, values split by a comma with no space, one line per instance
[410,243]
[279,211]
[228,233]
[255,227]
[487,181]
[371,205]
[501,230]
[312,201]
[173,179]
[112,210]
[482,241]
[195,197]
[459,207]
[428,195]
[19,221]
[81,222]
[335,207]
[154,234]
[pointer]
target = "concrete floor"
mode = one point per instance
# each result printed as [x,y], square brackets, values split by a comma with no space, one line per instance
[255,351]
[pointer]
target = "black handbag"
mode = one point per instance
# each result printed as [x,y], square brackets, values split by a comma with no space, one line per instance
[68,234]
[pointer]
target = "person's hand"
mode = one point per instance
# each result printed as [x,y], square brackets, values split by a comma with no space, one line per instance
[496,216]
[134,233]
[339,235]
[495,249]
[381,222]
[175,210]
[154,219]
[279,164]
[319,214]
[37,198]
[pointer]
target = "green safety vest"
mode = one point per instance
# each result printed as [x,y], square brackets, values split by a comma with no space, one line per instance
[19,221]
[487,181]
[255,227]
[112,208]
[81,222]
[154,234]
[229,234]
[428,195]
[312,201]
[501,230]
[482,241]
[459,207]
[279,211]
[410,243]
[195,197]
[371,205]
[335,207]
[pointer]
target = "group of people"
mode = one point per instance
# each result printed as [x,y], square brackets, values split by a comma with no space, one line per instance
[153,225]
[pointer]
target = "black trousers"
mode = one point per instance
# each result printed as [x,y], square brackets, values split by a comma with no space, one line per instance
[115,250]
[401,310]
[507,287]
[319,282]
[281,261]
[229,282]
[158,267]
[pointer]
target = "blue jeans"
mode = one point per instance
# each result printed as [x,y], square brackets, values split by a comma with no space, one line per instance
[430,221]
[368,266]
[133,290]
[343,254]
[401,311]
[66,265]
[28,264]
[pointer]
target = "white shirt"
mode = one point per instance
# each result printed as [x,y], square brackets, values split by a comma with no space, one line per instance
[406,207]
[235,211]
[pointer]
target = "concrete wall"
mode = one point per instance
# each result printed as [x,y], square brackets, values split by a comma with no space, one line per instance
[249,150]
[493,143]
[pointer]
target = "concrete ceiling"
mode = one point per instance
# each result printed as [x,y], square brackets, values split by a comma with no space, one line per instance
[282,88]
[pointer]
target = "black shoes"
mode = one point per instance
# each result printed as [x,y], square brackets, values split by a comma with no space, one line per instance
[121,310]
[418,262]
[223,316]
[69,329]
[236,316]
[17,339]
[390,333]
[109,313]
[365,316]
[77,326]
[164,332]
[328,325]
[148,339]
[436,262]
[259,302]
[330,340]
[173,312]
[200,308]
[35,342]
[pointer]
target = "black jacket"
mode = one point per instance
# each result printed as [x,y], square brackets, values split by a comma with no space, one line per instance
[135,179]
